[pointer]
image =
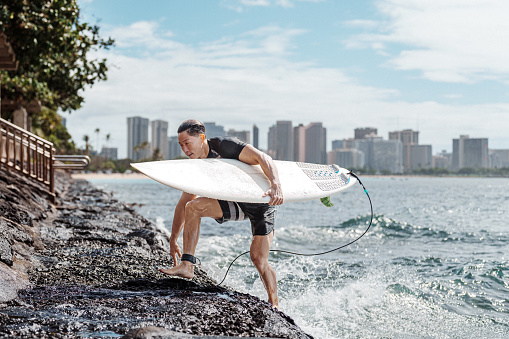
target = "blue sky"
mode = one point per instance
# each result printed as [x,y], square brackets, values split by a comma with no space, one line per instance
[438,67]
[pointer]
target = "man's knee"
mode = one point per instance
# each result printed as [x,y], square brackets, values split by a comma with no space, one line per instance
[260,256]
[260,248]
[194,207]
[202,207]
[259,260]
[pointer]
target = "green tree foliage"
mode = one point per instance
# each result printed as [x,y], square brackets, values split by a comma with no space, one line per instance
[54,52]
[144,146]
[86,139]
[431,171]
[48,125]
[99,163]
[156,155]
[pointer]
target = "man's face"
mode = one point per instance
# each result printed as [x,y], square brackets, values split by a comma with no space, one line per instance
[193,146]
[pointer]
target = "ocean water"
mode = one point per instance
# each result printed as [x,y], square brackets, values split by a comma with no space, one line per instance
[435,263]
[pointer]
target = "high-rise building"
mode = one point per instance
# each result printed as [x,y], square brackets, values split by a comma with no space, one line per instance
[363,141]
[337,144]
[212,130]
[316,143]
[420,157]
[109,153]
[339,149]
[137,138]
[242,135]
[349,143]
[280,141]
[256,133]
[362,133]
[174,149]
[366,146]
[472,153]
[347,158]
[159,131]
[499,158]
[271,142]
[408,138]
[388,156]
[442,160]
[299,143]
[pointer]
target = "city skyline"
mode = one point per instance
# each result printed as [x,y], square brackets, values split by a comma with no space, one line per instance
[436,67]
[400,153]
[264,136]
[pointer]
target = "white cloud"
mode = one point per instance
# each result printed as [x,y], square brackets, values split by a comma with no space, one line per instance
[248,79]
[255,2]
[240,5]
[225,81]
[447,41]
[275,40]
[453,96]
[142,35]
[362,23]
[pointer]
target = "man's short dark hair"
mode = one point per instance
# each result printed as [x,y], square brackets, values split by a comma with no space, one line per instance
[192,127]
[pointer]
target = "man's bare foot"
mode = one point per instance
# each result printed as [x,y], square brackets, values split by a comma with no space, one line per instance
[184,270]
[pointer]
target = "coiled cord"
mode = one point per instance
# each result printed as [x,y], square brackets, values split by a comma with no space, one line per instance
[320,253]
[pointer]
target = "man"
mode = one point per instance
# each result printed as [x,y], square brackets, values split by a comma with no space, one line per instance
[190,208]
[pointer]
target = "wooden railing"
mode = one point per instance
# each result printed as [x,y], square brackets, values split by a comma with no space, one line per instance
[71,162]
[26,154]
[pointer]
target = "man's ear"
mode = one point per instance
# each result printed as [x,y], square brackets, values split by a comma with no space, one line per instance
[202,136]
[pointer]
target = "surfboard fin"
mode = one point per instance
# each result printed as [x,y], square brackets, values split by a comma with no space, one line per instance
[326,201]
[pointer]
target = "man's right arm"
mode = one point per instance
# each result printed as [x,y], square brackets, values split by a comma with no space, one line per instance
[179,218]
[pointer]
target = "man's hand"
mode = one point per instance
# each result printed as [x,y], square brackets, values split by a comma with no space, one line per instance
[174,252]
[276,195]
[252,156]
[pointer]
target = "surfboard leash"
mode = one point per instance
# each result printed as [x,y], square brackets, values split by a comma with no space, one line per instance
[320,253]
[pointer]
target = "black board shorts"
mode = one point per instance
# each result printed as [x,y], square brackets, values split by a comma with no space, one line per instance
[262,216]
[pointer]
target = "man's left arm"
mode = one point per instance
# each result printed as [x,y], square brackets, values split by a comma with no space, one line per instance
[250,155]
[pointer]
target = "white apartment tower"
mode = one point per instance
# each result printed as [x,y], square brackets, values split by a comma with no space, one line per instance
[137,138]
[159,137]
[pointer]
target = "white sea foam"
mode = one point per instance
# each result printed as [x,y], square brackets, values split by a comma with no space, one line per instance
[415,274]
[161,225]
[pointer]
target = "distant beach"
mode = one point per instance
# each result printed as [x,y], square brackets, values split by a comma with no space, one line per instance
[108,176]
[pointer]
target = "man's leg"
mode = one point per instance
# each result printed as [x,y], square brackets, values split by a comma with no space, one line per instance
[195,210]
[260,256]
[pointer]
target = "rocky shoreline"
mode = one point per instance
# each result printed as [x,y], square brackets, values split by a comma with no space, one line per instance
[86,267]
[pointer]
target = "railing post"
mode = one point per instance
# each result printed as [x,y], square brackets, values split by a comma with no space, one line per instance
[22,152]
[29,157]
[8,150]
[2,144]
[27,154]
[52,171]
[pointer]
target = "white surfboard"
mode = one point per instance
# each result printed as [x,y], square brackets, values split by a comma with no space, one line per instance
[233,180]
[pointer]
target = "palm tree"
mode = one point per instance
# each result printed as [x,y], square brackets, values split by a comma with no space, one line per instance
[157,155]
[87,146]
[143,146]
[97,130]
[107,145]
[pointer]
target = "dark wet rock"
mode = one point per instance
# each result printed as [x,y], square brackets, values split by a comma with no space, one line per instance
[87,266]
[5,252]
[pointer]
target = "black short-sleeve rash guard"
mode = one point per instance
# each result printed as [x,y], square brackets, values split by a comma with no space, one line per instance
[262,215]
[225,147]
